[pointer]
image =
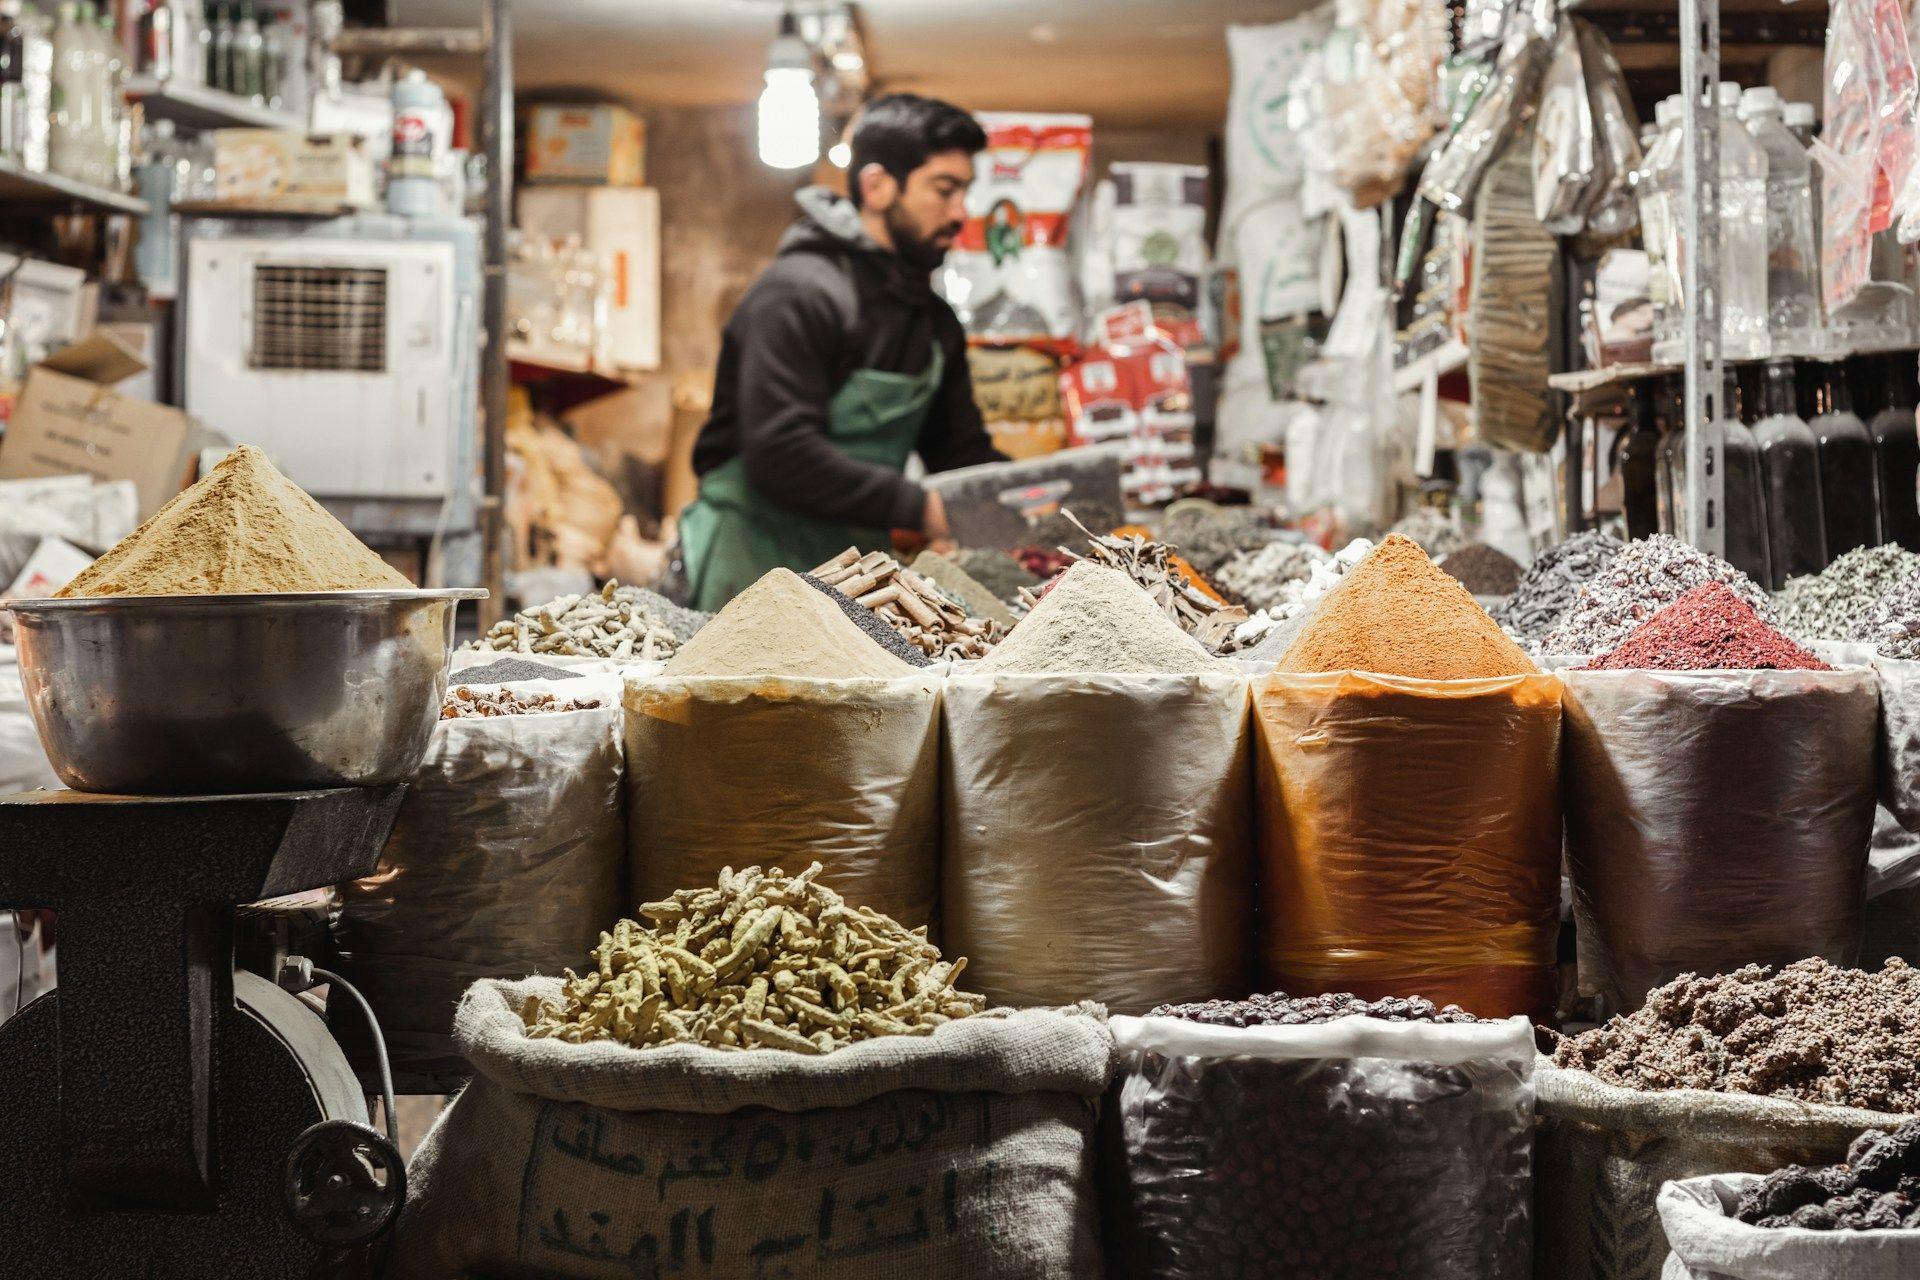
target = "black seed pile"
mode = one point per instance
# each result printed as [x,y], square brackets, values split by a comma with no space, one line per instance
[1340,1169]
[1878,1188]
[508,670]
[1281,1010]
[1482,569]
[871,623]
[1546,590]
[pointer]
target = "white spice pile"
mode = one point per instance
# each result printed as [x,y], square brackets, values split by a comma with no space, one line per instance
[1096,619]
[780,626]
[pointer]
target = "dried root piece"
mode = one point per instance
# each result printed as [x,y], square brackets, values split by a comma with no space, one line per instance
[762,960]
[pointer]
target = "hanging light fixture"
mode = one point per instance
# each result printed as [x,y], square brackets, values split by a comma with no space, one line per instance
[789,105]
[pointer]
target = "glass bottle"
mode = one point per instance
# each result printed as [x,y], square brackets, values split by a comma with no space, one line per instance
[1896,451]
[1790,473]
[1745,503]
[1638,461]
[1849,496]
[1793,285]
[1670,469]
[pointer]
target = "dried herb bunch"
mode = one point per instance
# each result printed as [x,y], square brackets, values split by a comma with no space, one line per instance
[1150,564]
[762,960]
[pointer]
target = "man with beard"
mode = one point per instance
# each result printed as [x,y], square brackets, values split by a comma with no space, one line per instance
[839,363]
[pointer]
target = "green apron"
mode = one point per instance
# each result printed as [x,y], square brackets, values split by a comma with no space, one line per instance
[731,534]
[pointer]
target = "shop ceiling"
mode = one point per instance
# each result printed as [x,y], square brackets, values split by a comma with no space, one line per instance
[1148,64]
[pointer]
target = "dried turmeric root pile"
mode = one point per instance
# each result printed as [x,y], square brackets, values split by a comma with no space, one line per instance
[762,960]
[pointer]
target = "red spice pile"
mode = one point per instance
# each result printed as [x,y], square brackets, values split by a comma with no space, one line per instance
[1707,629]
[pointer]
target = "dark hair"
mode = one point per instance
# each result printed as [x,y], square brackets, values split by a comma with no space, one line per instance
[900,131]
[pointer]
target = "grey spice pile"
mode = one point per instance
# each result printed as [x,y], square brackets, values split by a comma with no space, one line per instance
[1646,577]
[1892,625]
[1150,566]
[614,622]
[760,960]
[997,571]
[1547,589]
[1278,1009]
[1811,1031]
[1835,603]
[1878,1188]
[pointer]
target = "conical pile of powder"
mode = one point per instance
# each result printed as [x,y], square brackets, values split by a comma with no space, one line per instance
[244,529]
[1397,613]
[1096,619]
[780,626]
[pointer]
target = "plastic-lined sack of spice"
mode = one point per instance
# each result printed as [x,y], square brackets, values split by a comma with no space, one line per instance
[784,733]
[1742,1072]
[1408,790]
[954,1146]
[1710,1243]
[1343,1150]
[508,857]
[1097,818]
[1715,817]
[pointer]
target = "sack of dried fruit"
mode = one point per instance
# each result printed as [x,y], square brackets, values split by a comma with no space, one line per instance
[508,857]
[1743,1072]
[814,1098]
[1322,1136]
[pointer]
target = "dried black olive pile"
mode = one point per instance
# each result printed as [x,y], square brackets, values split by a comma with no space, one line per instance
[1878,1187]
[1339,1169]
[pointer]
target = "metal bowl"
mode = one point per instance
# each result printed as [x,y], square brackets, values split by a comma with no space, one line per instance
[173,695]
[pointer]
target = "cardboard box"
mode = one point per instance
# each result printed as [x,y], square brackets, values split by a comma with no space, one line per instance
[69,421]
[622,226]
[600,144]
[275,166]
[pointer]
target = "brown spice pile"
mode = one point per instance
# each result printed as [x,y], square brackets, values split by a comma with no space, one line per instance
[244,529]
[464,702]
[1812,1031]
[1395,613]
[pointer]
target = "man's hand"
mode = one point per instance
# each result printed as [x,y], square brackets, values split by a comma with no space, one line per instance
[934,525]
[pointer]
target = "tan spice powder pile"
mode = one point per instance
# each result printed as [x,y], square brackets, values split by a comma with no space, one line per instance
[780,626]
[1396,613]
[244,529]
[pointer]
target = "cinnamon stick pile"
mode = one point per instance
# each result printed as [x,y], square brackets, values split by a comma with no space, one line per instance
[929,620]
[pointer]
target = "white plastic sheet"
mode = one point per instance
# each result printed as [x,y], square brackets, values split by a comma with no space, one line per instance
[745,771]
[1716,819]
[1710,1244]
[23,761]
[1098,837]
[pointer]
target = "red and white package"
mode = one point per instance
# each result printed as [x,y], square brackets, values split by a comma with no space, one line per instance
[1008,276]
[1136,388]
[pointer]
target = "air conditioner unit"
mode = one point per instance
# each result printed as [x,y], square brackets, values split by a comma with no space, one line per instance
[347,350]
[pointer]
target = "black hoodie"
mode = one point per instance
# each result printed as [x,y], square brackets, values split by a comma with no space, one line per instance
[832,302]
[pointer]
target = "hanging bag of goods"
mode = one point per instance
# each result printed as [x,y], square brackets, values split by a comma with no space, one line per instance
[1745,1072]
[784,733]
[1009,277]
[598,1141]
[508,857]
[1281,1138]
[1720,799]
[1408,798]
[1097,817]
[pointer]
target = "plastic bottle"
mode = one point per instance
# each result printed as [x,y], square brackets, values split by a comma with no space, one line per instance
[220,69]
[413,189]
[1637,460]
[33,115]
[13,35]
[1896,450]
[1653,190]
[156,39]
[1849,495]
[1743,234]
[1793,285]
[72,104]
[161,180]
[273,65]
[116,146]
[249,53]
[209,52]
[1744,495]
[1790,472]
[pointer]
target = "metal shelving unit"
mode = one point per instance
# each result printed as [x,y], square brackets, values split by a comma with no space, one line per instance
[195,106]
[27,188]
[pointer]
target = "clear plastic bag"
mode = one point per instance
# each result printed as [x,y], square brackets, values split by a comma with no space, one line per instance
[1612,209]
[1354,1149]
[1565,157]
[1716,819]
[1452,178]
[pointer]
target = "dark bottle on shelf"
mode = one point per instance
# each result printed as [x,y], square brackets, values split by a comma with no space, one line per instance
[1670,458]
[1790,475]
[1849,494]
[1896,452]
[1638,460]
[1749,532]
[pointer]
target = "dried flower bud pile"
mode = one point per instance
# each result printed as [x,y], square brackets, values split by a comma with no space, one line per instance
[762,960]
[1878,1188]
[1834,603]
[1892,625]
[1262,577]
[614,622]
[929,619]
[464,702]
[1551,582]
[1811,1031]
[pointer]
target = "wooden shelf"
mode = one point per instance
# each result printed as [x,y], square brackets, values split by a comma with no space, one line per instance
[1450,357]
[1587,381]
[528,364]
[25,187]
[195,106]
[255,209]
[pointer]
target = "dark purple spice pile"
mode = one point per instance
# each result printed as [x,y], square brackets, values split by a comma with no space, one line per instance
[1878,1188]
[1281,1010]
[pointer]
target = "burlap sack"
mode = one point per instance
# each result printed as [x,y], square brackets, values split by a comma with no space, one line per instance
[967,1154]
[769,772]
[1098,837]
[1603,1152]
[508,858]
[1409,837]
[1716,819]
[1710,1244]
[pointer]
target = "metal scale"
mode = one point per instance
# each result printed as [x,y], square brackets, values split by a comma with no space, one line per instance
[167,1115]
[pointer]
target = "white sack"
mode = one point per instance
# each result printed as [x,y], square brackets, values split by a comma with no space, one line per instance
[1710,1244]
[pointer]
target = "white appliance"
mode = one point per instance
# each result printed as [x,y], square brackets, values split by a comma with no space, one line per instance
[348,360]
[621,225]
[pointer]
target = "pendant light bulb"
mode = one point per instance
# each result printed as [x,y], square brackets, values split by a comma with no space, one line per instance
[789,105]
